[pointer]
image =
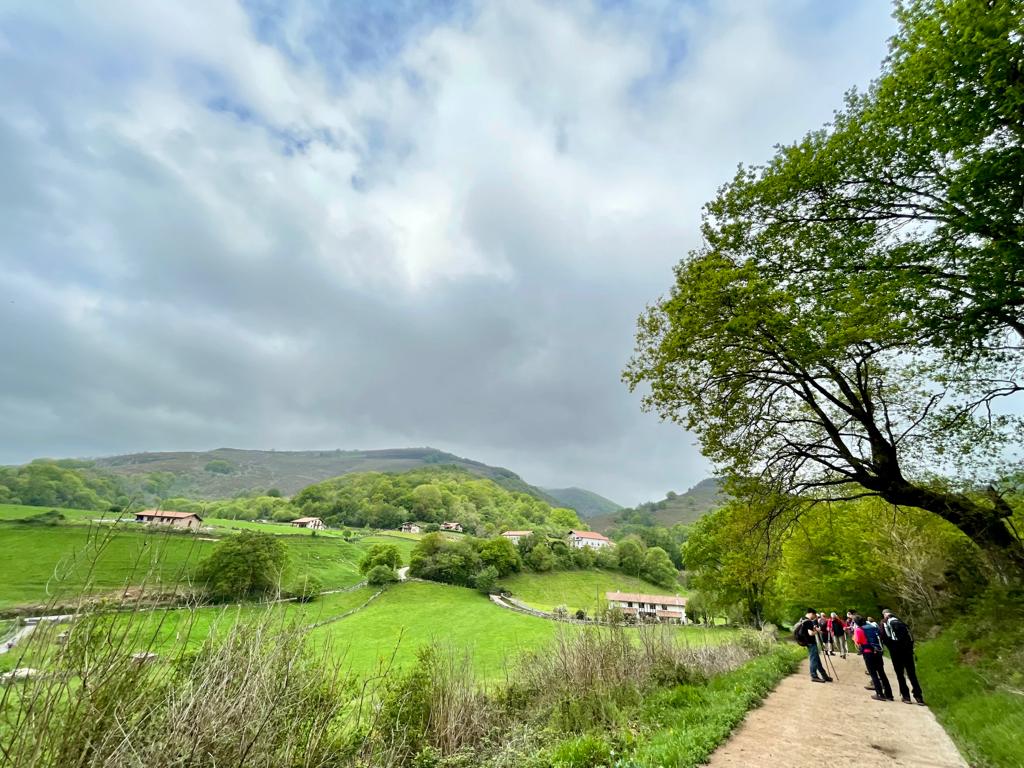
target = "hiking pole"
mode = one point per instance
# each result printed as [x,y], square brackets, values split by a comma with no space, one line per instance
[830,665]
[827,665]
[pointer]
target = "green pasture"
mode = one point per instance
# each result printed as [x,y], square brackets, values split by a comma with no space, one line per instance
[574,589]
[42,563]
[171,631]
[22,512]
[413,614]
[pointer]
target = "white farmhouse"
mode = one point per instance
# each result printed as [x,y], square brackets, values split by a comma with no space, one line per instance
[665,608]
[516,536]
[581,539]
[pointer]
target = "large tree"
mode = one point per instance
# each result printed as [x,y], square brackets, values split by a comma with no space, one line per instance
[924,172]
[854,318]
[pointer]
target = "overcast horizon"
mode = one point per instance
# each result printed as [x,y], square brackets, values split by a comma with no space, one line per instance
[315,225]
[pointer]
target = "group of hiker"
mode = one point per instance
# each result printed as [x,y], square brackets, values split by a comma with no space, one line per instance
[830,634]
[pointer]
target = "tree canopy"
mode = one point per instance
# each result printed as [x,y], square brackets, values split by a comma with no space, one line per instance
[433,495]
[853,320]
[243,566]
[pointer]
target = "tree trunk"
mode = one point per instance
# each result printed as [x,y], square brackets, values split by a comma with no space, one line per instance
[981,524]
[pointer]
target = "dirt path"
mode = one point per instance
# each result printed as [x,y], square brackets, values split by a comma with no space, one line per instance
[811,724]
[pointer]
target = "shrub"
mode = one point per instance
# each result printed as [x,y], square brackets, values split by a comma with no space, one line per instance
[247,565]
[381,554]
[582,752]
[486,581]
[219,467]
[380,575]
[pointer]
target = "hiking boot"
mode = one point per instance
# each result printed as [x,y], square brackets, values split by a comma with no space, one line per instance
[827,679]
[869,687]
[889,698]
[876,697]
[817,680]
[920,703]
[906,700]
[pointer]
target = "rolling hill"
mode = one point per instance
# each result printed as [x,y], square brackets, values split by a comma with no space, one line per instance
[686,508]
[226,472]
[586,503]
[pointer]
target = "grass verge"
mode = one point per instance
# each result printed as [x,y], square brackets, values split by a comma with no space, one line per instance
[972,678]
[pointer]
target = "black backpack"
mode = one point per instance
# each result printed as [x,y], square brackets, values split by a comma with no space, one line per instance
[800,633]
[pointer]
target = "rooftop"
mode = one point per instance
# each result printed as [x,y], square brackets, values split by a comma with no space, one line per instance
[166,513]
[637,597]
[589,535]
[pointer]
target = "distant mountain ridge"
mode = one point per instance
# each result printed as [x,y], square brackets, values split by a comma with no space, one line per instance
[226,472]
[586,503]
[687,508]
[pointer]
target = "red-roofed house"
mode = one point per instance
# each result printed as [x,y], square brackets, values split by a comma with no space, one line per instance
[166,517]
[581,539]
[670,608]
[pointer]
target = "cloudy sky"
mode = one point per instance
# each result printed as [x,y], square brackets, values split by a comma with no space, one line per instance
[359,225]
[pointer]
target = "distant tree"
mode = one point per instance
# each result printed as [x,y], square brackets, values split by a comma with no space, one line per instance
[486,580]
[274,493]
[220,467]
[631,556]
[438,559]
[243,566]
[500,553]
[381,554]
[380,575]
[584,557]
[428,502]
[607,558]
[658,568]
[540,558]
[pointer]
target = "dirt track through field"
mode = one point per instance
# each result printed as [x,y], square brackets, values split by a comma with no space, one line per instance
[812,724]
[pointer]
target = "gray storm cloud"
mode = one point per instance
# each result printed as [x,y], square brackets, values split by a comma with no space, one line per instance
[208,239]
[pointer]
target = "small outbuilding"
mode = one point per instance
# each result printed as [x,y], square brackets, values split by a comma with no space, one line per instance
[411,528]
[313,523]
[457,527]
[188,520]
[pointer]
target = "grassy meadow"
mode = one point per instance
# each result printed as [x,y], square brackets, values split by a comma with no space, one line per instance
[43,562]
[573,589]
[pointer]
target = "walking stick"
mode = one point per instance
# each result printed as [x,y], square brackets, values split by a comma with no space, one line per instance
[828,665]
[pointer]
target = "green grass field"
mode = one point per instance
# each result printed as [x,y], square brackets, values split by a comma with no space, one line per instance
[22,512]
[411,615]
[573,589]
[43,562]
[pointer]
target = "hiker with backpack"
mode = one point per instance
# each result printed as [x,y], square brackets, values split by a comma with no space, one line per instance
[869,641]
[805,632]
[900,642]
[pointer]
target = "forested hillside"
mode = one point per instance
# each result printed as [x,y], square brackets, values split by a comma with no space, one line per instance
[586,503]
[226,472]
[386,500]
[676,508]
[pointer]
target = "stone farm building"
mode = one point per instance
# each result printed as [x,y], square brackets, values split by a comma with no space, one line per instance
[669,608]
[314,523]
[410,528]
[174,519]
[515,536]
[452,527]
[581,539]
